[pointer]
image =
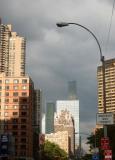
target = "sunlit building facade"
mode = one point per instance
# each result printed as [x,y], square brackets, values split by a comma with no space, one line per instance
[63,121]
[73,107]
[109,86]
[61,138]
[12,52]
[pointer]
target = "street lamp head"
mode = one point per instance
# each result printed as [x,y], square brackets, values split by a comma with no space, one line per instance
[62,24]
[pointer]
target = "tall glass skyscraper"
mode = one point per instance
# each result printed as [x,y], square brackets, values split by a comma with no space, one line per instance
[50,109]
[72,95]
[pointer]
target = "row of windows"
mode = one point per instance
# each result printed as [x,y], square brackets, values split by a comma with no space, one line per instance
[14,107]
[22,140]
[15,133]
[15,81]
[6,114]
[14,87]
[22,153]
[15,127]
[15,94]
[16,100]
[15,121]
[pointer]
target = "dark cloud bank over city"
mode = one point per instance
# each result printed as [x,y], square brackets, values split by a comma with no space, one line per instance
[54,55]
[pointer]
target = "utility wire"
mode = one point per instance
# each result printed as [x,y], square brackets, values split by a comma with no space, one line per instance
[108,36]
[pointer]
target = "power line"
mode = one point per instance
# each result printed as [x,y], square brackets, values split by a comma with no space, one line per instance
[109,31]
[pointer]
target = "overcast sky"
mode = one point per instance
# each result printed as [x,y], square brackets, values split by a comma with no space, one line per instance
[58,55]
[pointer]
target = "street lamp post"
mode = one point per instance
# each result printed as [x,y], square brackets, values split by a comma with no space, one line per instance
[102,59]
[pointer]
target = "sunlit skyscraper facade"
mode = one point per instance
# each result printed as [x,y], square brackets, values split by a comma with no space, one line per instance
[73,107]
[12,52]
[109,86]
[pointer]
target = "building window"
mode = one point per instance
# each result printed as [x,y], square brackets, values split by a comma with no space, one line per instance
[14,120]
[0,87]
[24,81]
[23,153]
[23,140]
[24,100]
[15,87]
[15,107]
[15,113]
[15,127]
[24,87]
[5,121]
[24,107]
[0,81]
[23,133]
[15,94]
[24,93]
[23,120]
[6,100]
[7,87]
[7,94]
[0,93]
[6,114]
[15,100]
[5,126]
[5,107]
[16,81]
[23,113]
[23,126]
[7,81]
[15,133]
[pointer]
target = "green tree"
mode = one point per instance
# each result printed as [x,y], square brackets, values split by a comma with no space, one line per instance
[51,151]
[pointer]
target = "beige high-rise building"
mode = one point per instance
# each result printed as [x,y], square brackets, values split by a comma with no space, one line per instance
[109,86]
[16,66]
[12,52]
[4,47]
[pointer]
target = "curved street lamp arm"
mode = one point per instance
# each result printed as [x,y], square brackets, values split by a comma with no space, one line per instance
[63,24]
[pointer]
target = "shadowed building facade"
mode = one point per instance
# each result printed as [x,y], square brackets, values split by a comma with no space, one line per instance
[37,109]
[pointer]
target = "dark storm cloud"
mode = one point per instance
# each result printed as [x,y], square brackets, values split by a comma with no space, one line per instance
[57,55]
